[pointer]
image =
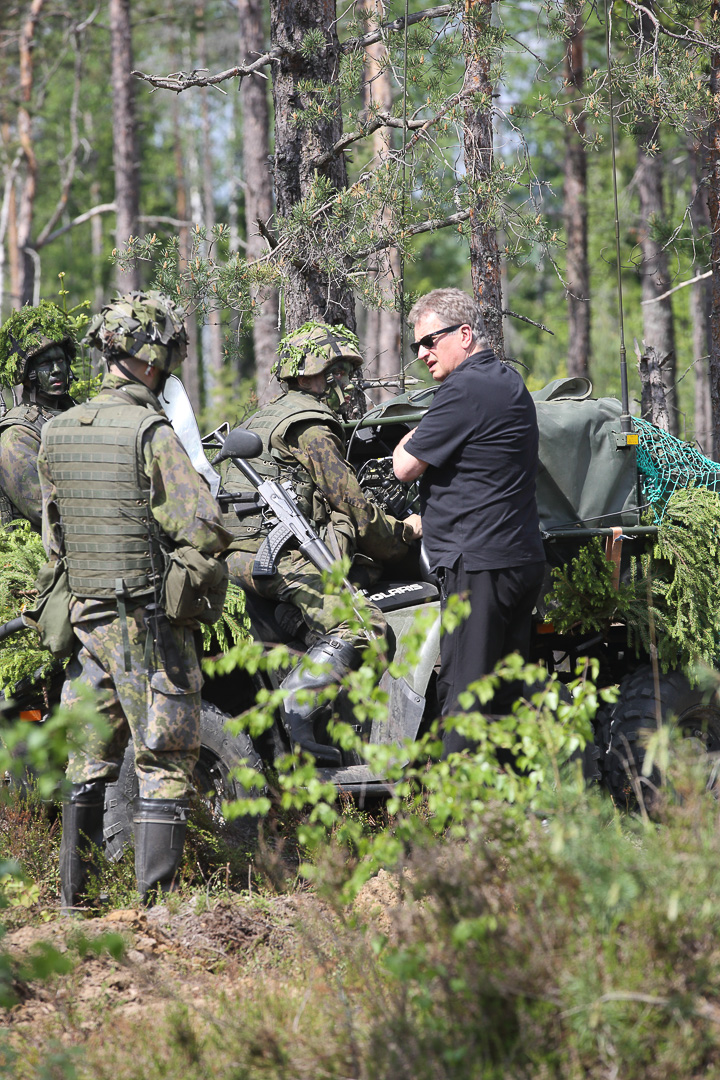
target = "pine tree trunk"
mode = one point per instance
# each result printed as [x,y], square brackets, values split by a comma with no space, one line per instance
[575,201]
[308,293]
[13,249]
[26,205]
[381,347]
[257,184]
[96,224]
[714,208]
[126,151]
[190,368]
[478,150]
[653,400]
[700,306]
[658,323]
[8,229]
[212,334]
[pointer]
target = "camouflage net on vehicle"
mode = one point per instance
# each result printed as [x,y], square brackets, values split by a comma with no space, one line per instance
[666,464]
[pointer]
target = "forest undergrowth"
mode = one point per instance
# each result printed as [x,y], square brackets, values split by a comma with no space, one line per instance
[570,939]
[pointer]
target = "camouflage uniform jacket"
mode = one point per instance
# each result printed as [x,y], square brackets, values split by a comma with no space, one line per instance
[179,499]
[315,449]
[19,446]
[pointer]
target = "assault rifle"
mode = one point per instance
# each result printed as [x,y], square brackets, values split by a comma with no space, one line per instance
[241,444]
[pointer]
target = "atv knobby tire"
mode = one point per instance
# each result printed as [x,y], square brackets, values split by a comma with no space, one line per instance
[220,751]
[625,726]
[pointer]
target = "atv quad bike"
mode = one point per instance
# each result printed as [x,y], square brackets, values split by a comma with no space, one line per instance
[595,480]
[589,485]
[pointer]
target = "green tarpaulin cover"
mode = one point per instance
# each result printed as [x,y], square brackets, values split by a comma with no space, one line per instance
[584,478]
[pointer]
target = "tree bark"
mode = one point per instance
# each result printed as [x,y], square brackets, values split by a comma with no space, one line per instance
[257,184]
[575,202]
[8,207]
[382,335]
[700,307]
[8,229]
[190,371]
[212,334]
[26,205]
[478,149]
[309,293]
[96,222]
[126,152]
[658,323]
[714,209]
[653,395]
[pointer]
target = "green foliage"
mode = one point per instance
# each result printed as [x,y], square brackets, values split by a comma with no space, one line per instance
[680,573]
[583,596]
[21,556]
[543,731]
[42,749]
[671,603]
[33,758]
[339,232]
[232,626]
[568,945]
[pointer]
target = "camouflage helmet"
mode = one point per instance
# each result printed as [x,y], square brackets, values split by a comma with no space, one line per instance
[145,325]
[314,348]
[27,333]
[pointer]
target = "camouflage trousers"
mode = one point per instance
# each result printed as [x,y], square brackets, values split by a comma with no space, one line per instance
[298,582]
[163,719]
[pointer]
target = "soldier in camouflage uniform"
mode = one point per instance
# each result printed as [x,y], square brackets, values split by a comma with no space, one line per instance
[118,489]
[303,444]
[36,350]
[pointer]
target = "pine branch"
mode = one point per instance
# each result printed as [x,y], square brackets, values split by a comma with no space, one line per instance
[181,80]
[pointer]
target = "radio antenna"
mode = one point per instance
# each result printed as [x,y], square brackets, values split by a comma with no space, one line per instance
[402,200]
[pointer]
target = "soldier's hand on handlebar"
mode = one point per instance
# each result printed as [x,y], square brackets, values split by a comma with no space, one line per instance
[413,521]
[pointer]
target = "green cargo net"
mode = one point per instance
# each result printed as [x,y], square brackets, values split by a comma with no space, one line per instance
[666,464]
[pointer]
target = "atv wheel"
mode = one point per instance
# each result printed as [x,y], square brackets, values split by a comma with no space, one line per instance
[636,712]
[219,753]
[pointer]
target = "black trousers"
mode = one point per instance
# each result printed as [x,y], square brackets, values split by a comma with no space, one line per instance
[501,605]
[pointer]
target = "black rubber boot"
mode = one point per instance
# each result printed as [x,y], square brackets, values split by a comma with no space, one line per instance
[341,657]
[160,827]
[82,836]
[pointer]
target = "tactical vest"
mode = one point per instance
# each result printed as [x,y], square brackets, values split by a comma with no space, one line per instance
[110,537]
[277,463]
[31,416]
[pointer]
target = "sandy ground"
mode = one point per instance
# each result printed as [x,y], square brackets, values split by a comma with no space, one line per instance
[189,952]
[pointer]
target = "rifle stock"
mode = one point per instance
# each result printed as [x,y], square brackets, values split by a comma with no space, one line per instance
[277,499]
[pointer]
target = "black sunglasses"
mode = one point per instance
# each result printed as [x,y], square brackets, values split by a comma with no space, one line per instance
[428,340]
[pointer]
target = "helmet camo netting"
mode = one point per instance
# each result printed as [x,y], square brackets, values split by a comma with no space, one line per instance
[314,348]
[145,325]
[27,332]
[666,464]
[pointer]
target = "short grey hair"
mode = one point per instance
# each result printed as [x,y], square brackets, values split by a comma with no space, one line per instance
[452,306]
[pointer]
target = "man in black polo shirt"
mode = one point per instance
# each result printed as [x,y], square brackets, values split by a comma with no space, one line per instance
[476,454]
